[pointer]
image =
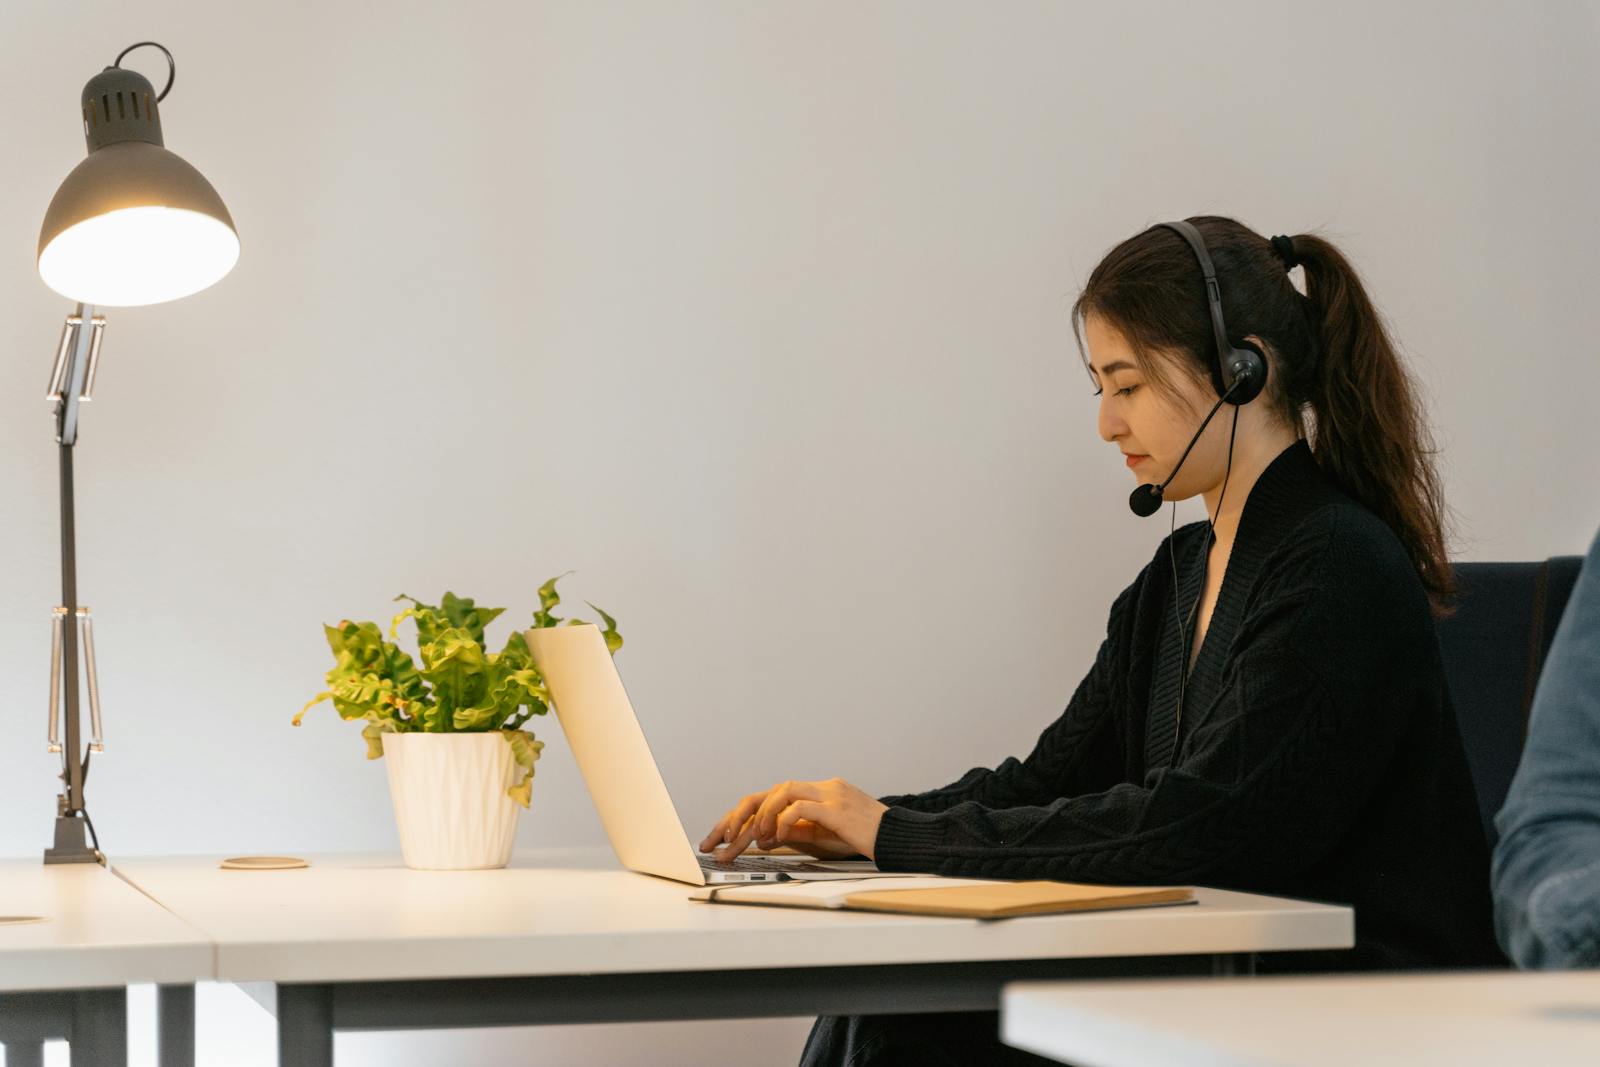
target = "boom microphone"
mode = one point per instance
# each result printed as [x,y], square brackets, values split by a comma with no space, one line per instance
[1146,500]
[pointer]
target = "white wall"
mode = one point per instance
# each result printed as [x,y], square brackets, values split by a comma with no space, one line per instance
[755,314]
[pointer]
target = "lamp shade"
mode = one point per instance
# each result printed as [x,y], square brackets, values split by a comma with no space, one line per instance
[133,223]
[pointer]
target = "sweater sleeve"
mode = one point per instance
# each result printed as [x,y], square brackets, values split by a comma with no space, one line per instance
[1547,864]
[1272,771]
[1078,746]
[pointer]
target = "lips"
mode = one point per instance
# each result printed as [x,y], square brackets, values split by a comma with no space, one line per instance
[1134,460]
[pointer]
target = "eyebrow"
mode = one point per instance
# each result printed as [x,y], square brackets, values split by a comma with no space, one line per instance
[1112,368]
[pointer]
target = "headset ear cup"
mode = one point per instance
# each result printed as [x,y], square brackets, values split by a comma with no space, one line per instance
[1245,359]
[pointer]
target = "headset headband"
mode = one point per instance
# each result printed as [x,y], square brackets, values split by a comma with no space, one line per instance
[1213,291]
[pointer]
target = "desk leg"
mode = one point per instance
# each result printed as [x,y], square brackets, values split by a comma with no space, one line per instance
[22,1053]
[28,1020]
[175,1025]
[99,1036]
[305,1026]
[1233,965]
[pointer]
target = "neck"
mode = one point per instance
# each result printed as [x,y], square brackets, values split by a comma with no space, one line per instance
[1252,455]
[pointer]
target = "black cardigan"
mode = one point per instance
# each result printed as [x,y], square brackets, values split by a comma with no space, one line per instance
[1319,756]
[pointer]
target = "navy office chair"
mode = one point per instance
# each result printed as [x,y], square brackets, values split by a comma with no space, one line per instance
[1494,648]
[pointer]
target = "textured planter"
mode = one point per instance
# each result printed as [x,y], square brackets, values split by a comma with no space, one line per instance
[449,794]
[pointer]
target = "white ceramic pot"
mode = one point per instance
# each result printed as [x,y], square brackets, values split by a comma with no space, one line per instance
[449,794]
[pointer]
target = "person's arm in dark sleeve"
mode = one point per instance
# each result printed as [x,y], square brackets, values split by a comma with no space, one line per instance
[1080,746]
[1547,862]
[1274,770]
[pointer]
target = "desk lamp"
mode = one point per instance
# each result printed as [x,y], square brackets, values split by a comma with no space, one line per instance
[132,224]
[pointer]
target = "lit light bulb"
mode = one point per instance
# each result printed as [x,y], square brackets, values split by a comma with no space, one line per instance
[139,255]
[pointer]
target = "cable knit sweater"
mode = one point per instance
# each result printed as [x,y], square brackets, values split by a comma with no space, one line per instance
[1318,755]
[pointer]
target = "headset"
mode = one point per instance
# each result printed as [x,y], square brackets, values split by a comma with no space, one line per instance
[1238,370]
[1240,367]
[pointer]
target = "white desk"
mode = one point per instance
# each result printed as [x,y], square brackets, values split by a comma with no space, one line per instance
[359,943]
[1466,1020]
[66,977]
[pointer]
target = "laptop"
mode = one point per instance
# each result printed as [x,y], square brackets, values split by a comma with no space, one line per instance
[624,781]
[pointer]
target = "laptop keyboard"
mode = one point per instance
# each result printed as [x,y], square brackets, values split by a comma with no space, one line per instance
[761,863]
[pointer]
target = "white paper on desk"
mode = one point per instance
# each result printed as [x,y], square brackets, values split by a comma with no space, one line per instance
[822,894]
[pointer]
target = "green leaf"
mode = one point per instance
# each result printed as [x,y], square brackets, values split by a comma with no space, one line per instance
[370,676]
[525,752]
[548,599]
[399,668]
[366,696]
[509,688]
[525,748]
[394,623]
[374,737]
[313,702]
[430,621]
[356,694]
[463,614]
[516,652]
[355,645]
[454,664]
[609,631]
[517,648]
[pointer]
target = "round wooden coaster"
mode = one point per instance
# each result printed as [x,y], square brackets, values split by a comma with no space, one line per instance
[263,863]
[20,920]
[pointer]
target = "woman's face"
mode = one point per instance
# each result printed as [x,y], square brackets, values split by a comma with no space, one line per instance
[1152,427]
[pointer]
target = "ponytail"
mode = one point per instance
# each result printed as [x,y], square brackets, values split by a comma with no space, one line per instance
[1369,433]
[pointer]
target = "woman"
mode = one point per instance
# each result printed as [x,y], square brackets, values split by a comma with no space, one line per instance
[1268,711]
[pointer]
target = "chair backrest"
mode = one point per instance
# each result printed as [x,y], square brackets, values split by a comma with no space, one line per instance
[1494,648]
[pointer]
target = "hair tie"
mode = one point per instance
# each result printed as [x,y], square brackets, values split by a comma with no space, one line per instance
[1284,246]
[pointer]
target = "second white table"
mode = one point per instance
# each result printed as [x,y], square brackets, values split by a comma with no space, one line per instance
[66,976]
[1487,1019]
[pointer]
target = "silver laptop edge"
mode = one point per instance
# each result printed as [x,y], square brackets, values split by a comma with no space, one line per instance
[615,759]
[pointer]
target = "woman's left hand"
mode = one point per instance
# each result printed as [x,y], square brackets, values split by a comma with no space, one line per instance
[834,805]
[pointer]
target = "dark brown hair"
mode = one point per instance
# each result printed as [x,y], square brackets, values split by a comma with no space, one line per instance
[1334,375]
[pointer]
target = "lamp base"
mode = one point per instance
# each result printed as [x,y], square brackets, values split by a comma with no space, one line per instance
[71,846]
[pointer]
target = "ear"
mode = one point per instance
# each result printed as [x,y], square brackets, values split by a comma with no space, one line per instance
[1268,356]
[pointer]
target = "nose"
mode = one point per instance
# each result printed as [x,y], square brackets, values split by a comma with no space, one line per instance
[1111,425]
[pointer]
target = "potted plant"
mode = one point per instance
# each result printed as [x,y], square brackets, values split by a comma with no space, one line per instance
[460,755]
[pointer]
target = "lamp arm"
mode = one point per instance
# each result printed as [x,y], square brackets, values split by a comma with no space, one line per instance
[69,384]
[70,622]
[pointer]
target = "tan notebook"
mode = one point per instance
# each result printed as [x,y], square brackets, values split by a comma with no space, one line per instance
[956,897]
